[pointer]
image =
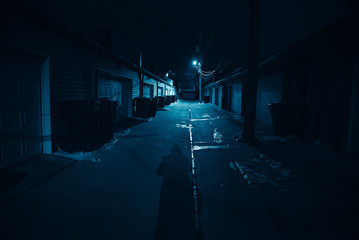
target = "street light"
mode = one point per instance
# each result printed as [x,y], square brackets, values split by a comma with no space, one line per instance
[198,66]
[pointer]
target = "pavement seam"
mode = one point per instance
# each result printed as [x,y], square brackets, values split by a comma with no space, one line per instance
[194,181]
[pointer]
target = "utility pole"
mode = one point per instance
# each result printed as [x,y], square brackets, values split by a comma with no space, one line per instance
[200,69]
[251,86]
[141,76]
[200,84]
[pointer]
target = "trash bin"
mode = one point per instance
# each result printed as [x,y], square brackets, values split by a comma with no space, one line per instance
[161,102]
[280,118]
[107,119]
[153,107]
[143,107]
[82,122]
[167,100]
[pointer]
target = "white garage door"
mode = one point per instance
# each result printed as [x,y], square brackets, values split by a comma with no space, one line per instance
[20,122]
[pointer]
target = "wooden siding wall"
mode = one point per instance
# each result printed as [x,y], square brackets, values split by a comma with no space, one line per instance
[70,64]
[108,64]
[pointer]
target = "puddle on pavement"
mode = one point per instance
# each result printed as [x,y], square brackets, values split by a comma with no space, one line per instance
[217,136]
[208,118]
[202,119]
[181,125]
[195,148]
[184,126]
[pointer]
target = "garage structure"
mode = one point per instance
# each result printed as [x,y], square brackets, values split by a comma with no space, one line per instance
[24,114]
[43,66]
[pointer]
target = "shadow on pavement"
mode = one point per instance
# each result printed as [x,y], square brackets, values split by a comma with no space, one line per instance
[9,179]
[175,218]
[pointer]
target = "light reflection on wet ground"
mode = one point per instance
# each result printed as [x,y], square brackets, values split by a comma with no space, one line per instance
[195,148]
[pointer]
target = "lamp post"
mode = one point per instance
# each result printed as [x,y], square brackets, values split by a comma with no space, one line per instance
[198,66]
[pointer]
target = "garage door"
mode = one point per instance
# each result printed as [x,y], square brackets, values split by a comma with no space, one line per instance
[147,90]
[20,122]
[116,89]
[159,91]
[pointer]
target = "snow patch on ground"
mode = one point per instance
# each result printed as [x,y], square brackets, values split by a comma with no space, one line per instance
[94,156]
[261,172]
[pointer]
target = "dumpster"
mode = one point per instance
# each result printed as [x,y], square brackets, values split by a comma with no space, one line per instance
[107,119]
[153,107]
[160,102]
[83,125]
[143,107]
[280,118]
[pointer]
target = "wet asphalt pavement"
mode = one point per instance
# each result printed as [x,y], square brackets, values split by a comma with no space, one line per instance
[183,175]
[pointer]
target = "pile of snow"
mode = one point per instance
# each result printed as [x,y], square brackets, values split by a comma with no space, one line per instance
[93,156]
[79,156]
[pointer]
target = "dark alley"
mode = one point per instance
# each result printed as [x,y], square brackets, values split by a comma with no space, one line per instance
[179,120]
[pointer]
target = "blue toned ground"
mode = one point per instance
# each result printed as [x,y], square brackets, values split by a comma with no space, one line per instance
[182,175]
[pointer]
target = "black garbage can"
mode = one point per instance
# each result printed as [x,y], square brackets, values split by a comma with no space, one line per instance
[82,122]
[280,118]
[166,100]
[107,119]
[161,102]
[153,107]
[143,107]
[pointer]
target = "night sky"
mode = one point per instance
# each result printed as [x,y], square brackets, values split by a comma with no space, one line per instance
[168,31]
